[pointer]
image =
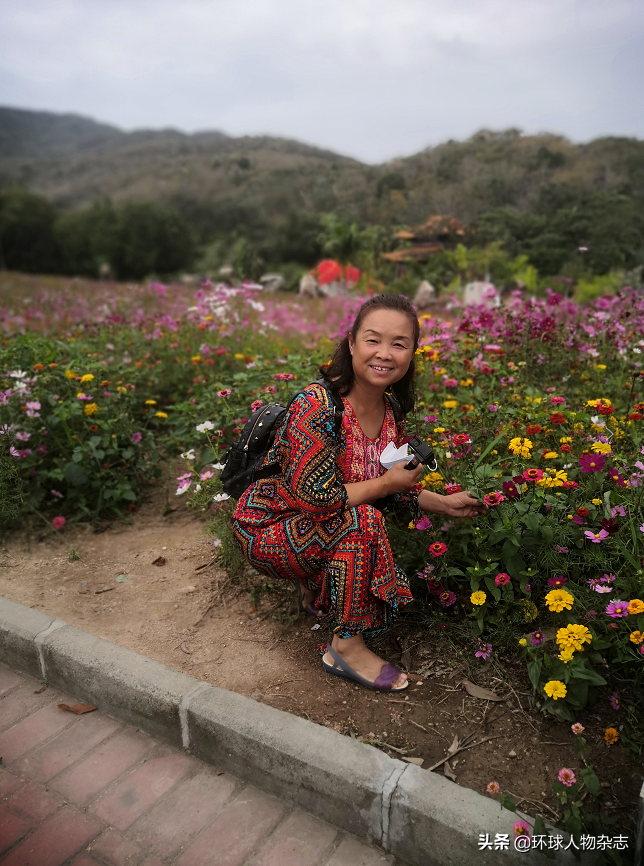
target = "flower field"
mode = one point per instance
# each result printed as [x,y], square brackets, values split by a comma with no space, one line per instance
[536,406]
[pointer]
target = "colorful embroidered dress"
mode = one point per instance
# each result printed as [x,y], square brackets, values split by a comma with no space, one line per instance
[298,524]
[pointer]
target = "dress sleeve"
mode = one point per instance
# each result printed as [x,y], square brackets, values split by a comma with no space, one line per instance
[408,501]
[310,451]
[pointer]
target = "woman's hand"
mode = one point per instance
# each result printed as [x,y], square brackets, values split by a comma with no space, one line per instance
[463,505]
[398,479]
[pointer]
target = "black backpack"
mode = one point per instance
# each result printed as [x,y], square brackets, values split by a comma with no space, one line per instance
[243,460]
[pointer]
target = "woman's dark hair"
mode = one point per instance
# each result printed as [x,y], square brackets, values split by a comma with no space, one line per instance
[340,370]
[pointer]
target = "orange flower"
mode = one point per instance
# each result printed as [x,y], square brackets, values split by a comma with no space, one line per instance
[52,365]
[610,735]
[39,366]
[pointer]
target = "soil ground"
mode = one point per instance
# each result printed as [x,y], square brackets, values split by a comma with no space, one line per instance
[152,584]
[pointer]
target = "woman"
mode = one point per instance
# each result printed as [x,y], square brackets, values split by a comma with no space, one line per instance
[316,521]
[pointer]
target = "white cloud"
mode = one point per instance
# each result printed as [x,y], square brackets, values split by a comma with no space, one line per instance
[372,78]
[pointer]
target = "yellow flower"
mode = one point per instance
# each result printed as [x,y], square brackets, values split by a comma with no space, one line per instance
[411,525]
[578,428]
[558,599]
[239,356]
[637,636]
[69,374]
[636,606]
[450,404]
[87,377]
[439,429]
[600,366]
[601,447]
[520,446]
[555,689]
[90,409]
[465,383]
[121,390]
[550,455]
[573,637]
[565,439]
[529,610]
[161,414]
[150,402]
[566,655]
[596,501]
[552,478]
[478,597]
[434,479]
[197,358]
[523,642]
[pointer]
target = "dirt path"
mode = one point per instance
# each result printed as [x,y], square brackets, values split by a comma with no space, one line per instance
[186,613]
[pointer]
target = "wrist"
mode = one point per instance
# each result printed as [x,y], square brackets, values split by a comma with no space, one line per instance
[433,502]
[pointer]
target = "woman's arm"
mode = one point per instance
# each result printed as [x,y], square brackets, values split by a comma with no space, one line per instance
[395,480]
[456,505]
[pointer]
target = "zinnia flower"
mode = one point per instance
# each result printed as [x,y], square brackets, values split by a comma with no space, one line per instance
[437,548]
[611,736]
[614,701]
[533,429]
[492,499]
[573,636]
[58,522]
[558,599]
[617,609]
[521,829]
[502,578]
[635,636]
[636,606]
[493,788]
[447,598]
[510,490]
[555,689]
[478,597]
[461,438]
[566,777]
[533,474]
[136,437]
[577,728]
[225,392]
[452,488]
[520,447]
[90,409]
[161,414]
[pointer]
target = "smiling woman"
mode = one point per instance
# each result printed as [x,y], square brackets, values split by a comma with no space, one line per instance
[319,521]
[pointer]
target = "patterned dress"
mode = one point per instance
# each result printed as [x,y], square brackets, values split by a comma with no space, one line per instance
[298,524]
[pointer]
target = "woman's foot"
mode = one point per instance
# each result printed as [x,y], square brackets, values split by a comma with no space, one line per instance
[308,597]
[355,653]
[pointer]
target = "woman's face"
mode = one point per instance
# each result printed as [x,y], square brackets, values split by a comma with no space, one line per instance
[383,348]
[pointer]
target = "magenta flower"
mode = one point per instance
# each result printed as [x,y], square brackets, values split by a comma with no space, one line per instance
[596,537]
[492,499]
[493,407]
[592,462]
[560,549]
[447,598]
[225,392]
[617,609]
[423,523]
[614,701]
[502,578]
[510,490]
[618,510]
[136,437]
[537,638]
[58,522]
[57,494]
[254,406]
[602,588]
[483,651]
[557,581]
[521,829]
[567,777]
[607,578]
[590,614]
[431,419]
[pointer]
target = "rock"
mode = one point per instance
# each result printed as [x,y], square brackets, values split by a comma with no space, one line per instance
[273,282]
[332,290]
[425,295]
[226,271]
[188,589]
[478,292]
[309,286]
[512,754]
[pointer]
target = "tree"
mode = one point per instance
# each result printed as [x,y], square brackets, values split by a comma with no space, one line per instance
[151,240]
[27,241]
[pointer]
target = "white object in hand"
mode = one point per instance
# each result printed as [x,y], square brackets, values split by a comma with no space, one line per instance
[392,455]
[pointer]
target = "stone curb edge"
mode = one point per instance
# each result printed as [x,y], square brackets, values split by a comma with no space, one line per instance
[420,817]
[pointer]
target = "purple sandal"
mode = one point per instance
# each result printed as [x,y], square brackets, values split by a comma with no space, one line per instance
[308,608]
[383,683]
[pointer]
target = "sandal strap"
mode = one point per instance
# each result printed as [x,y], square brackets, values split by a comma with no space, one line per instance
[385,677]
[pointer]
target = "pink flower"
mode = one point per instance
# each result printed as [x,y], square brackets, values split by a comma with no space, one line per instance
[591,462]
[493,788]
[447,598]
[537,638]
[577,728]
[206,475]
[596,537]
[58,522]
[557,581]
[521,829]
[437,548]
[502,578]
[57,494]
[254,406]
[423,523]
[617,608]
[225,392]
[484,650]
[454,488]
[567,777]
[492,499]
[493,407]
[136,437]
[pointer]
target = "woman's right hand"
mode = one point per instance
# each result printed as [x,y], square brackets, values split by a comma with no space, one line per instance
[399,479]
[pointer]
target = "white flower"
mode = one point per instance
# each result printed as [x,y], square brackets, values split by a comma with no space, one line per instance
[216,542]
[220,497]
[207,425]
[183,487]
[16,374]
[637,351]
[189,455]
[220,466]
[597,421]
[197,488]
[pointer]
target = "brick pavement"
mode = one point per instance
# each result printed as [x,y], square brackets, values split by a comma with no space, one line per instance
[90,791]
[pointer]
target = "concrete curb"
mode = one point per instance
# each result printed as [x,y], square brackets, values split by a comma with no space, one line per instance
[418,816]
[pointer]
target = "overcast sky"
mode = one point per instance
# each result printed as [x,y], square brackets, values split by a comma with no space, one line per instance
[372,79]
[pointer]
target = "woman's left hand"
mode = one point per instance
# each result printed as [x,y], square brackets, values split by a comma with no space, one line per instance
[463,505]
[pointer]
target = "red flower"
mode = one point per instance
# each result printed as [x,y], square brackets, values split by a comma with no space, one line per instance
[492,499]
[582,511]
[604,408]
[452,488]
[570,485]
[510,490]
[635,416]
[533,429]
[461,439]
[502,578]
[437,548]
[566,449]
[557,418]
[610,525]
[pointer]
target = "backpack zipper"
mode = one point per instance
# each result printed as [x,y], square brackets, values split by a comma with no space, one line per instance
[257,422]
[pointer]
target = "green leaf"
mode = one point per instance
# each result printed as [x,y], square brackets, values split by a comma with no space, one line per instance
[489,448]
[591,781]
[591,676]
[508,803]
[534,672]
[75,475]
